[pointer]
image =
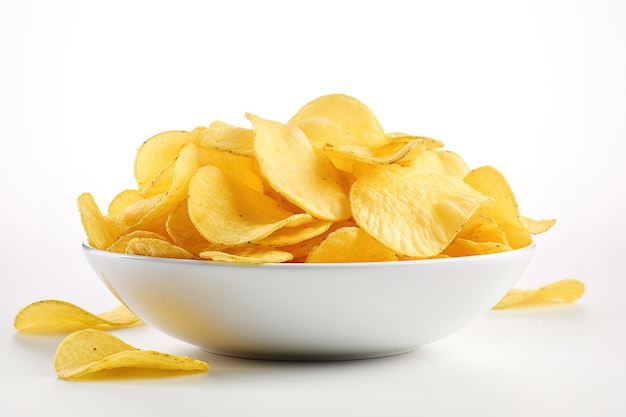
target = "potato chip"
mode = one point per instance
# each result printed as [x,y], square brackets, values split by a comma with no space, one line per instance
[535,227]
[464,247]
[150,246]
[239,167]
[184,234]
[88,351]
[187,163]
[101,231]
[504,209]
[56,316]
[161,182]
[227,212]
[293,235]
[320,131]
[563,291]
[231,139]
[298,171]
[301,249]
[357,122]
[248,255]
[350,244]
[121,243]
[428,162]
[121,201]
[387,154]
[413,214]
[453,163]
[155,153]
[480,228]
[133,213]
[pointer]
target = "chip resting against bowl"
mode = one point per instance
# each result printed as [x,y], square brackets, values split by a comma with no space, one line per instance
[272,191]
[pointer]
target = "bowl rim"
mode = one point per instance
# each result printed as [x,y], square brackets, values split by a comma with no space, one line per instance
[302,265]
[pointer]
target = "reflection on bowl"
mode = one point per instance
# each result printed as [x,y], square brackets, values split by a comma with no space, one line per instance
[309,311]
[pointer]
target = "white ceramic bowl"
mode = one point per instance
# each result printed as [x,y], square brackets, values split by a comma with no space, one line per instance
[309,311]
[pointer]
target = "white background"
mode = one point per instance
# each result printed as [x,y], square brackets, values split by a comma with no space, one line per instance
[535,88]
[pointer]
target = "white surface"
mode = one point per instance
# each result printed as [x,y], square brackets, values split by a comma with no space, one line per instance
[536,88]
[310,311]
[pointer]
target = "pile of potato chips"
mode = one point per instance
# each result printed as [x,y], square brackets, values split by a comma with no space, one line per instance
[329,185]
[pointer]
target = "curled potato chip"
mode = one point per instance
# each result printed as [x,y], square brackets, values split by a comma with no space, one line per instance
[150,246]
[121,243]
[298,171]
[231,139]
[187,163]
[101,231]
[248,255]
[534,227]
[465,247]
[293,235]
[411,213]
[453,163]
[504,209]
[121,201]
[227,212]
[349,244]
[56,316]
[155,153]
[90,350]
[356,122]
[563,291]
[480,228]
[184,233]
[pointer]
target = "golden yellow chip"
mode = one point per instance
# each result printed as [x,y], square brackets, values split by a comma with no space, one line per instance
[480,228]
[387,154]
[161,182]
[231,139]
[563,291]
[150,246]
[88,351]
[453,163]
[411,213]
[56,316]
[293,235]
[121,243]
[350,244]
[187,163]
[133,213]
[535,227]
[227,212]
[184,234]
[352,118]
[248,255]
[504,209]
[428,162]
[241,168]
[101,231]
[298,171]
[464,247]
[155,153]
[121,201]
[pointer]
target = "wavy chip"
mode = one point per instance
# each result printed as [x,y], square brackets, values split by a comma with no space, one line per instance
[228,212]
[57,316]
[411,213]
[89,351]
[559,292]
[298,171]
